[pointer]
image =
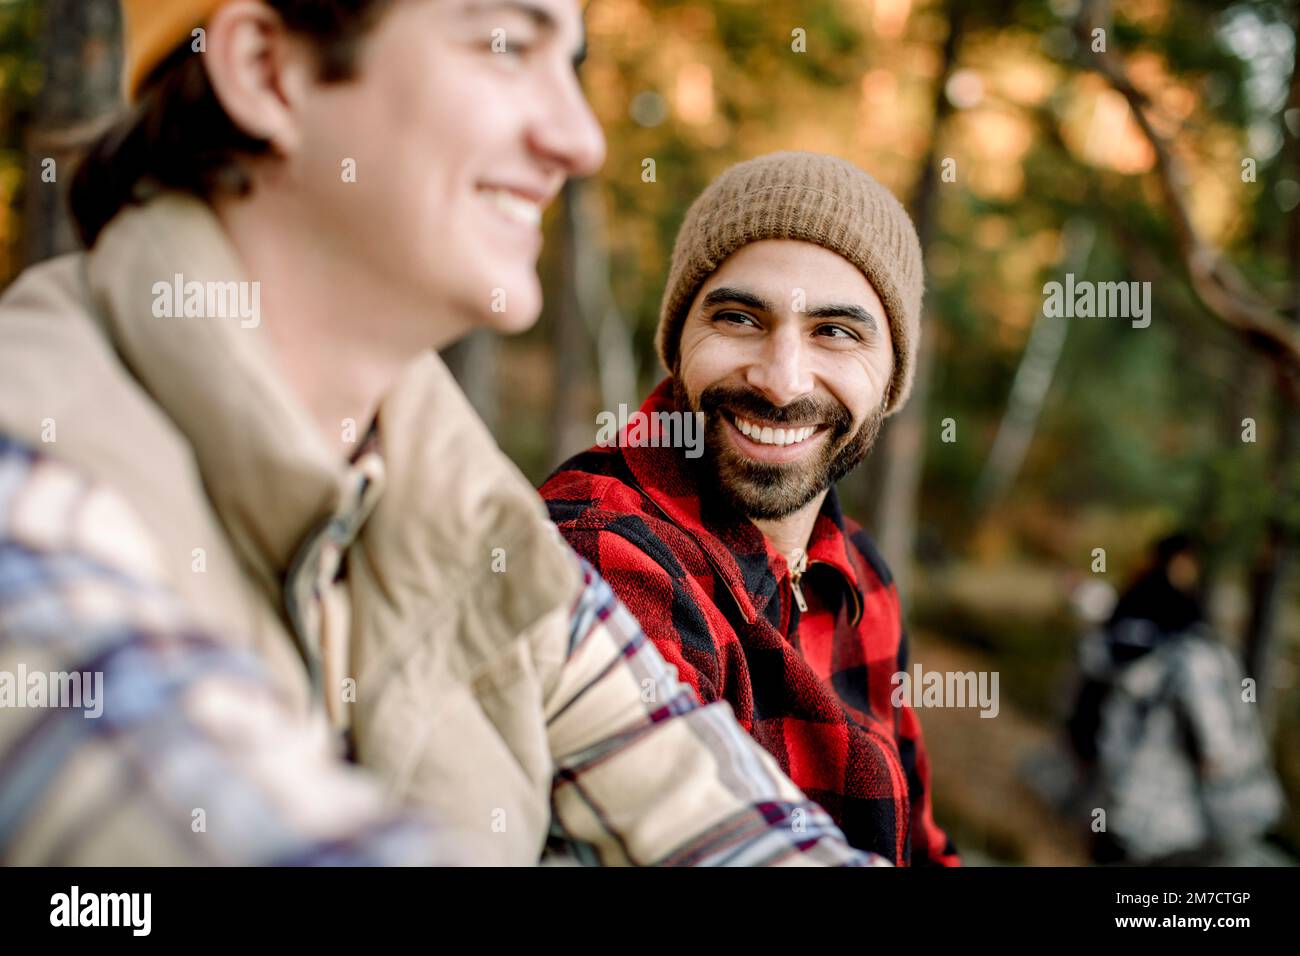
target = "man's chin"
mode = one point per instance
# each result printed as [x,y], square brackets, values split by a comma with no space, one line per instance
[512,324]
[768,491]
[764,491]
[510,309]
[760,506]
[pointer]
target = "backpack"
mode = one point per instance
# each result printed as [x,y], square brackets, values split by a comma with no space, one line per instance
[1182,761]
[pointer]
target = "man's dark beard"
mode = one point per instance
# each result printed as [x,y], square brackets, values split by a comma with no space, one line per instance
[768,490]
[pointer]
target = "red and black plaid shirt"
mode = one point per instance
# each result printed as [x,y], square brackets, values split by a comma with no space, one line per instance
[813,687]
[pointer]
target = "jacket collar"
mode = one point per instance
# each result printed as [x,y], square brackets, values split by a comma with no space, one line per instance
[267,472]
[734,545]
[291,507]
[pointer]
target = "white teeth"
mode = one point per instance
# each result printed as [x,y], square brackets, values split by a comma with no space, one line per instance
[767,435]
[514,206]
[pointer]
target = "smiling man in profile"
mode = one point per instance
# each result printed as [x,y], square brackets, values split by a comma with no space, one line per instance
[309,653]
[791,321]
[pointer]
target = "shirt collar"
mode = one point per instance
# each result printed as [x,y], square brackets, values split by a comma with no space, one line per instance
[734,545]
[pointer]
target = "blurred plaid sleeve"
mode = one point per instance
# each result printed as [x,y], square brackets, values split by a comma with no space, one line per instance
[194,759]
[648,775]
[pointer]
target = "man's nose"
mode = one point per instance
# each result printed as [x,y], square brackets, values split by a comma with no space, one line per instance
[567,131]
[781,371]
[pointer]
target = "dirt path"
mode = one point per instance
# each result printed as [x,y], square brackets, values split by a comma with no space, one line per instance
[975,766]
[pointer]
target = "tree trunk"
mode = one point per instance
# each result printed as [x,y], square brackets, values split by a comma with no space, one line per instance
[900,456]
[473,360]
[1271,573]
[615,358]
[901,473]
[569,429]
[1033,378]
[82,59]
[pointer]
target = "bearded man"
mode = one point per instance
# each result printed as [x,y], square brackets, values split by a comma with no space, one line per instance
[790,323]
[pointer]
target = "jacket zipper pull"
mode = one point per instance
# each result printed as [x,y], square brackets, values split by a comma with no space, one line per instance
[798,565]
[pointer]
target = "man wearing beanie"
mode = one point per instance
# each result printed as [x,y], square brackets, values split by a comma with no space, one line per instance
[790,326]
[321,618]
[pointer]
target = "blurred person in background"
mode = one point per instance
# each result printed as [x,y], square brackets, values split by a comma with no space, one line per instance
[1164,726]
[237,482]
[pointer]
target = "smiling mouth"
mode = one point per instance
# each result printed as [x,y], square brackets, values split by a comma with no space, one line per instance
[513,205]
[778,437]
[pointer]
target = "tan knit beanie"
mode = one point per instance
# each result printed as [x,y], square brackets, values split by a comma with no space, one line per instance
[815,198]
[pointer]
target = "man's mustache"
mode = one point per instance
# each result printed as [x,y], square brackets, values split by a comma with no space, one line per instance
[802,411]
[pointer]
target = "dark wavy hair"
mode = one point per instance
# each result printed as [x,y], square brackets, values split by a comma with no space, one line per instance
[176,135]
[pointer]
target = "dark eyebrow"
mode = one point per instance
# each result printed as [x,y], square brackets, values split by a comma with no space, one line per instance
[541,17]
[854,313]
[729,294]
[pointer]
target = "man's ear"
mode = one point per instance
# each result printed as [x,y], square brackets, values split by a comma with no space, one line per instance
[259,71]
